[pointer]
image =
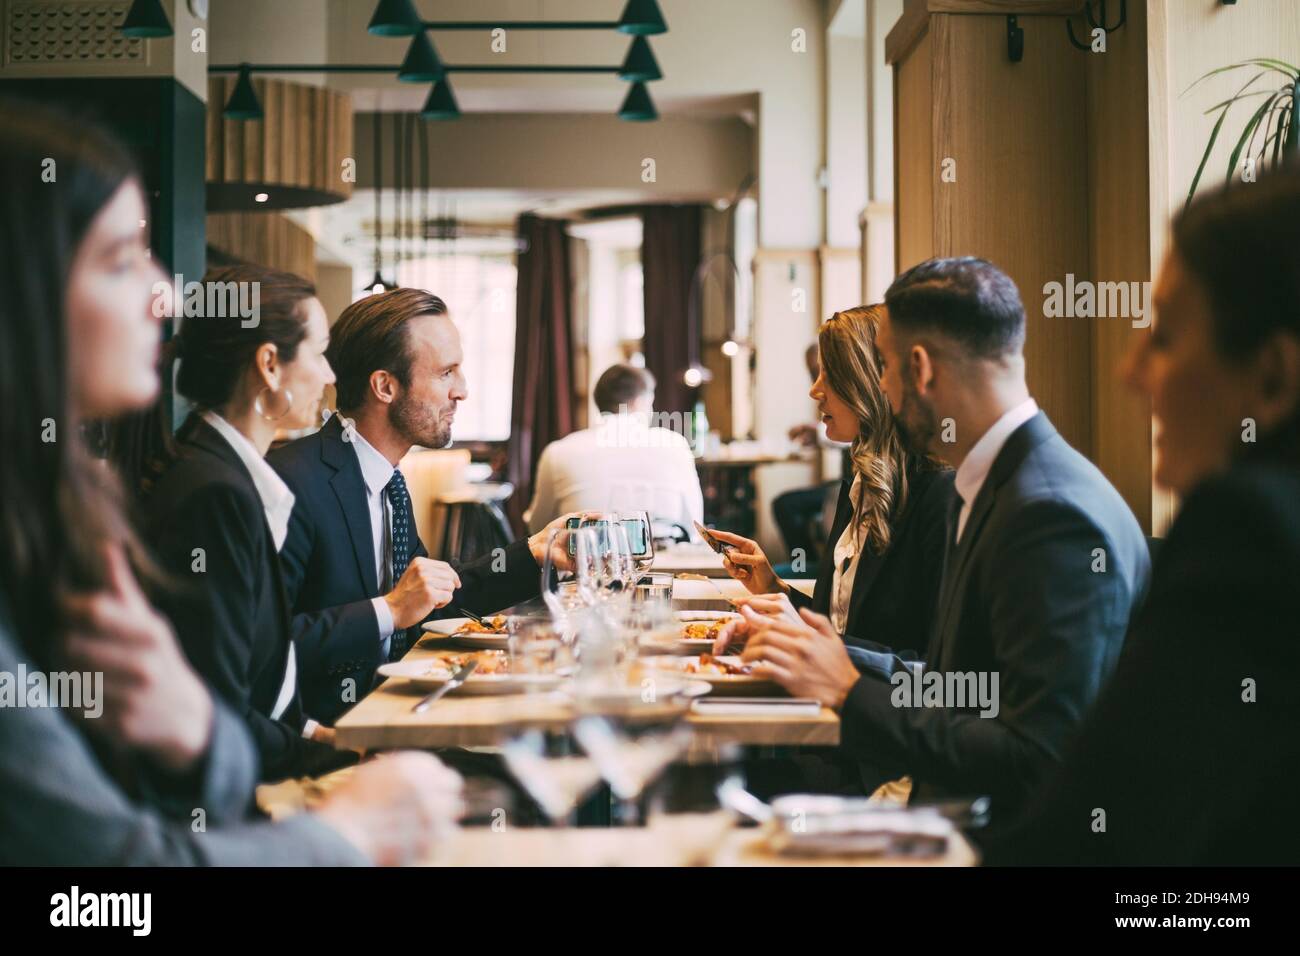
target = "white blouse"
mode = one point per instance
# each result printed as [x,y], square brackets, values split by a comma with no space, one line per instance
[845,556]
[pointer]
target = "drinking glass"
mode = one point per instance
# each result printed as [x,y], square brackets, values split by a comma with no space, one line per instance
[630,757]
[553,775]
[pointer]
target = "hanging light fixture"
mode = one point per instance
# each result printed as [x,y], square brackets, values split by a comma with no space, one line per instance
[395,18]
[243,103]
[441,104]
[421,64]
[642,18]
[146,20]
[640,65]
[378,284]
[637,106]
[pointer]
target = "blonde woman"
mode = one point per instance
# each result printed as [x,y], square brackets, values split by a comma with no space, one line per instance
[879,579]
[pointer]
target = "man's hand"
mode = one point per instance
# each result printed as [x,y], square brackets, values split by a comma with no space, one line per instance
[749,565]
[425,585]
[808,659]
[152,699]
[397,808]
[737,630]
[560,557]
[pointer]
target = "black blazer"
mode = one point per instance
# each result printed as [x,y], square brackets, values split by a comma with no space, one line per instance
[894,594]
[1038,592]
[1187,768]
[230,612]
[328,561]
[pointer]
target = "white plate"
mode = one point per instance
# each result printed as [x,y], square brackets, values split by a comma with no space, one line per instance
[450,627]
[426,675]
[703,615]
[732,682]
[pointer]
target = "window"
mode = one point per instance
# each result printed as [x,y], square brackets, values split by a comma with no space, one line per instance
[479,290]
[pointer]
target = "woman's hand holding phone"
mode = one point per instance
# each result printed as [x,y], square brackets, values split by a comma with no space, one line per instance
[747,563]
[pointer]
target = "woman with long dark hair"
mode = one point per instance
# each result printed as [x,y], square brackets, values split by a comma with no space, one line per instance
[1190,755]
[114,777]
[217,514]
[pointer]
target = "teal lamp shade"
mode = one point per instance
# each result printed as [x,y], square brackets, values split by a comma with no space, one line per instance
[637,106]
[640,65]
[146,20]
[642,18]
[441,104]
[395,18]
[243,103]
[421,64]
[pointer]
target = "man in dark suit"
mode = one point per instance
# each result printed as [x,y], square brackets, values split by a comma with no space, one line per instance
[1044,565]
[357,575]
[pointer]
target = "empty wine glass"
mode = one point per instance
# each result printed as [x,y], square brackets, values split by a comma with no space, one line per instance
[629,757]
[553,775]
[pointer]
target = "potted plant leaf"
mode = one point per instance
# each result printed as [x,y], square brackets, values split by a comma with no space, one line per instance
[1275,123]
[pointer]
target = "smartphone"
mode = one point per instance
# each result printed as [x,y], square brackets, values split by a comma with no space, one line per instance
[638,538]
[712,540]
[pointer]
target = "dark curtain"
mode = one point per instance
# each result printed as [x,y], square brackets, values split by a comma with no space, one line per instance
[670,254]
[542,408]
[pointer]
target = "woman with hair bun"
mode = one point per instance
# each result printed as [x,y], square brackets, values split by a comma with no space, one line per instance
[217,513]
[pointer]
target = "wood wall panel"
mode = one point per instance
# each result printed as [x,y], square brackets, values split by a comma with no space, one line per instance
[266,238]
[1017,135]
[914,169]
[1119,250]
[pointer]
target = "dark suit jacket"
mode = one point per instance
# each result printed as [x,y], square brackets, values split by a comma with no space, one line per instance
[1187,770]
[230,613]
[895,593]
[329,572]
[1023,597]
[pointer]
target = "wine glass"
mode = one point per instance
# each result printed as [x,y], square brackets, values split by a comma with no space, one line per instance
[643,545]
[555,777]
[630,758]
[559,589]
[604,565]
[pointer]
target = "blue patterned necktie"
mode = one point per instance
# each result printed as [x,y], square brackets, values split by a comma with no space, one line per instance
[400,504]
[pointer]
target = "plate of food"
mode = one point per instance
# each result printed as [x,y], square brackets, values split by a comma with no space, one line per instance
[491,634]
[723,672]
[492,675]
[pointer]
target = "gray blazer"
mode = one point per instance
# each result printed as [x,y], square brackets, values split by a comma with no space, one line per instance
[1039,591]
[60,807]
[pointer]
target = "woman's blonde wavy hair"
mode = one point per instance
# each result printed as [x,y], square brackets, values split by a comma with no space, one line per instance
[850,363]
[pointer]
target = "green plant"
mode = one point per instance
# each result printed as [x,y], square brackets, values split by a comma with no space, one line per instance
[1277,118]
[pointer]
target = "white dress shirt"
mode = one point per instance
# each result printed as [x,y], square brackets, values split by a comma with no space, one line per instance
[619,464]
[975,468]
[277,506]
[847,551]
[377,472]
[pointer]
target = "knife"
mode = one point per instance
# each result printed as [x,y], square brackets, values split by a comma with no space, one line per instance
[457,679]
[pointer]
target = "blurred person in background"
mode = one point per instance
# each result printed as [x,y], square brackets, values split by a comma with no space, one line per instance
[117,783]
[624,462]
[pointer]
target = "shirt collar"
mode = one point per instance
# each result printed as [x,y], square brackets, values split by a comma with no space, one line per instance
[277,499]
[376,470]
[975,468]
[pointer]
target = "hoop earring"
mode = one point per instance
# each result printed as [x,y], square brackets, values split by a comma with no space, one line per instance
[260,408]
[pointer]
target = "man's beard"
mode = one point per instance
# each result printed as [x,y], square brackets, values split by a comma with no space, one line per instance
[418,423]
[916,422]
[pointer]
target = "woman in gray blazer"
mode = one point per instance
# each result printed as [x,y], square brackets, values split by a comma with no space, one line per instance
[112,750]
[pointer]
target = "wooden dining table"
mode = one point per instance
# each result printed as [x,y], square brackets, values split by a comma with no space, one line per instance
[385,719]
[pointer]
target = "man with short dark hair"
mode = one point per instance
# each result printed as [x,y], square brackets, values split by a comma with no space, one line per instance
[622,463]
[358,578]
[1045,562]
